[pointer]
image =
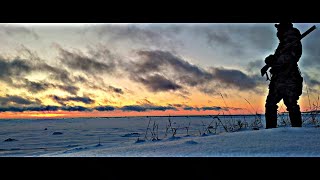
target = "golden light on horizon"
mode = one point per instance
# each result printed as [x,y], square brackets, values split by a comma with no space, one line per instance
[45,115]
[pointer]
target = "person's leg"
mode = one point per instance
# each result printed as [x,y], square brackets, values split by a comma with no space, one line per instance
[291,101]
[273,99]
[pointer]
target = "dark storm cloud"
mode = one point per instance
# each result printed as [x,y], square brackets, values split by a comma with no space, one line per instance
[189,108]
[156,83]
[69,88]
[160,108]
[116,90]
[62,101]
[12,109]
[235,78]
[143,108]
[40,65]
[86,63]
[60,75]
[19,67]
[163,71]
[75,108]
[43,108]
[214,108]
[58,99]
[13,71]
[35,87]
[29,108]
[80,79]
[14,68]
[85,100]
[104,108]
[187,73]
[133,108]
[8,99]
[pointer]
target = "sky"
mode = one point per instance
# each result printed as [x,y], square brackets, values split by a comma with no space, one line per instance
[97,70]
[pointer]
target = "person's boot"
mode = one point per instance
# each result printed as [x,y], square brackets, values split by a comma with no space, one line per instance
[295,118]
[271,118]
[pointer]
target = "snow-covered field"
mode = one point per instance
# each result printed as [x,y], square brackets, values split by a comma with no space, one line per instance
[117,137]
[279,142]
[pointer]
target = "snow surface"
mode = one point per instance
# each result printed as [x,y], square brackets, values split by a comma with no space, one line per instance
[277,142]
[116,137]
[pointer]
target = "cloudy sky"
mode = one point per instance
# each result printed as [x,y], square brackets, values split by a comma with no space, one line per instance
[72,70]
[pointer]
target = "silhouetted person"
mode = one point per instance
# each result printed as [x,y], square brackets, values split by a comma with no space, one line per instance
[286,80]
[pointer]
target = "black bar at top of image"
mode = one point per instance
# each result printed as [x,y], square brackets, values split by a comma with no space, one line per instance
[158,12]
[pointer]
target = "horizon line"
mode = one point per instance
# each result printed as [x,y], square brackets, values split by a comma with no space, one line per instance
[135,116]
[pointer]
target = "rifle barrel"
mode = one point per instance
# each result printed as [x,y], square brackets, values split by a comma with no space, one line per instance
[301,37]
[308,31]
